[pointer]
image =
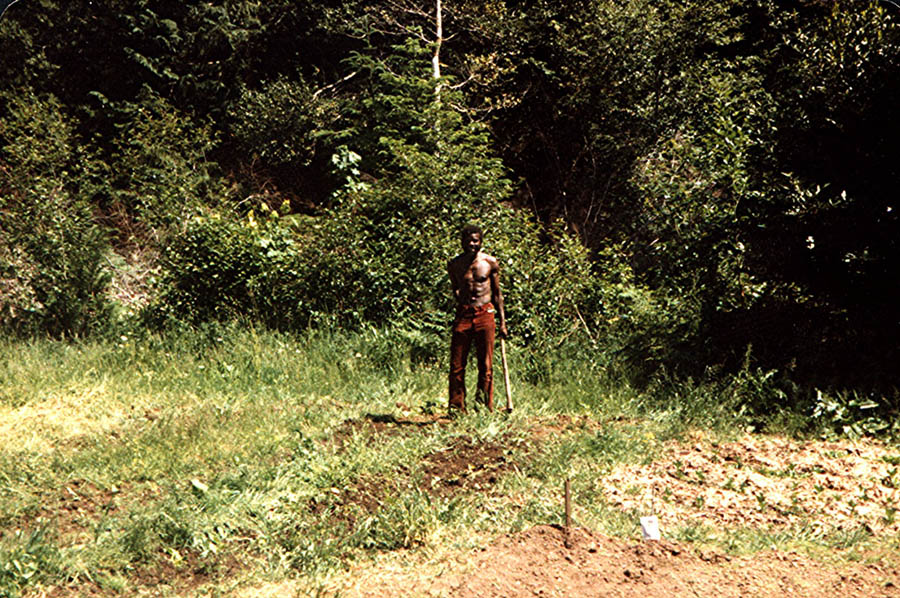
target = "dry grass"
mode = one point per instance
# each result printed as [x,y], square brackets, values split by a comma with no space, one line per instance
[61,418]
[767,482]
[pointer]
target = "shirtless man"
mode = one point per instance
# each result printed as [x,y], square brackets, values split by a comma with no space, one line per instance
[475,278]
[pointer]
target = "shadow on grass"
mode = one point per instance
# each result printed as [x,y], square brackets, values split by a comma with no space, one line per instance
[386,419]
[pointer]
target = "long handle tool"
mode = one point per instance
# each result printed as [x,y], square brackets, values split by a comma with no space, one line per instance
[506,376]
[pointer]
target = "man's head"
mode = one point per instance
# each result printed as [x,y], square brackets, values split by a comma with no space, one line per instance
[471,238]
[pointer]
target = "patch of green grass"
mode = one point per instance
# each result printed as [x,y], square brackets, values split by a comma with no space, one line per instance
[27,558]
[848,538]
[804,537]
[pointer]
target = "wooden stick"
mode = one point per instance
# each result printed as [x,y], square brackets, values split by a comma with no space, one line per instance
[509,405]
[568,512]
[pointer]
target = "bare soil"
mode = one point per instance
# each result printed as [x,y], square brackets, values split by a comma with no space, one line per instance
[537,562]
[74,510]
[758,482]
[345,506]
[382,426]
[466,465]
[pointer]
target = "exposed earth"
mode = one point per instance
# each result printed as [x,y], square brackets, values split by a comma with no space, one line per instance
[537,562]
[768,482]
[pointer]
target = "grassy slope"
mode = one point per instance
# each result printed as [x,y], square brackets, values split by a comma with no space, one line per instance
[224,459]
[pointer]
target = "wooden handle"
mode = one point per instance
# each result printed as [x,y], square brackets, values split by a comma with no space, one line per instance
[509,405]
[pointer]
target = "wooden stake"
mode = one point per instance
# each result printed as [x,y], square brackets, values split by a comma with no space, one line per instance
[568,512]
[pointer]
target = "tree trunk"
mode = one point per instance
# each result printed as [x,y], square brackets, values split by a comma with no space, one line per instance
[438,40]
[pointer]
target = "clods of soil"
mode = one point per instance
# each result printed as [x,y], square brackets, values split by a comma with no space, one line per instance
[464,465]
[538,562]
[382,426]
[346,505]
[467,464]
[74,510]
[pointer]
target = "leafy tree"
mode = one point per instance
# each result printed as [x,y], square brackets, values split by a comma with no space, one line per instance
[730,164]
[838,132]
[433,170]
[160,173]
[378,254]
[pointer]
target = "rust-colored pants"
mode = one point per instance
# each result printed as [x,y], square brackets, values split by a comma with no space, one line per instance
[472,325]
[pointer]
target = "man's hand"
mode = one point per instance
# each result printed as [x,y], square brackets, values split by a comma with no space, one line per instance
[503,332]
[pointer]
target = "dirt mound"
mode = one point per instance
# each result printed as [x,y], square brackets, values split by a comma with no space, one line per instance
[766,482]
[345,506]
[466,464]
[537,562]
[75,509]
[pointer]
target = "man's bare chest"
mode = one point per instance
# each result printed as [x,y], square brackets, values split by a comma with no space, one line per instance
[477,272]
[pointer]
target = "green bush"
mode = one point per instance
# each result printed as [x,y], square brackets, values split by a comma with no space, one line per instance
[394,233]
[277,124]
[209,270]
[51,251]
[219,268]
[159,170]
[855,415]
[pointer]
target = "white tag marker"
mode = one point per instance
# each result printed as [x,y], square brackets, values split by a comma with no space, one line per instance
[650,527]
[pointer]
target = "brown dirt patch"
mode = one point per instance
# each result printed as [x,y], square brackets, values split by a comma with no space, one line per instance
[82,589]
[189,573]
[345,506]
[467,464]
[537,562]
[186,576]
[74,509]
[766,482]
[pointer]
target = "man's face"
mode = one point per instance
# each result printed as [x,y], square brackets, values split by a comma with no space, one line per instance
[471,243]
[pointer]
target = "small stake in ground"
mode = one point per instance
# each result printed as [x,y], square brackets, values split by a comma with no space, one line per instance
[506,376]
[568,512]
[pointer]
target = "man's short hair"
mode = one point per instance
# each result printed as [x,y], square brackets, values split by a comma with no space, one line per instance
[471,229]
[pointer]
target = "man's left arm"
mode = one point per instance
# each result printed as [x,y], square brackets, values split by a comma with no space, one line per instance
[497,297]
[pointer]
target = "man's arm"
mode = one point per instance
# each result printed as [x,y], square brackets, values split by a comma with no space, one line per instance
[497,296]
[454,284]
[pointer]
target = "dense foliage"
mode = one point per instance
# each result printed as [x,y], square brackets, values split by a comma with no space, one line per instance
[695,188]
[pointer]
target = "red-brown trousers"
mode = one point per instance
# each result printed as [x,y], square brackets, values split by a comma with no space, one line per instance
[472,325]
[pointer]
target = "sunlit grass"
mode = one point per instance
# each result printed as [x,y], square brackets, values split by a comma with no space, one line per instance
[229,450]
